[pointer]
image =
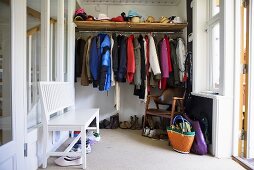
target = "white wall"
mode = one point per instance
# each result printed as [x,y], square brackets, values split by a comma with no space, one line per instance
[130,104]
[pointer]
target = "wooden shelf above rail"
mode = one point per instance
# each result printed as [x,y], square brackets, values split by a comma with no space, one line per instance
[128,26]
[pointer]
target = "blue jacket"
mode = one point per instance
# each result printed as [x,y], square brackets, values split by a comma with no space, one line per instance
[105,69]
[94,61]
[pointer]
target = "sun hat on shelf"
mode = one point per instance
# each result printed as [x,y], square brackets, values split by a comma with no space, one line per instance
[102,17]
[150,19]
[177,20]
[164,20]
[135,19]
[133,13]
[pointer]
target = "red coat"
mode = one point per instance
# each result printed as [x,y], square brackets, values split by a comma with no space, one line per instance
[130,59]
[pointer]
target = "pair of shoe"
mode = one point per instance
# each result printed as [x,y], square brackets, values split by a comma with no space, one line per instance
[151,133]
[114,121]
[104,123]
[125,125]
[93,136]
[77,146]
[134,123]
[68,161]
[112,124]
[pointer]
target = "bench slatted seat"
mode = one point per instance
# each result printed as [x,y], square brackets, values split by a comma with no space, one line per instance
[55,97]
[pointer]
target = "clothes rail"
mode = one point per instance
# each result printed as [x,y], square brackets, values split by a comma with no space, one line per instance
[130,32]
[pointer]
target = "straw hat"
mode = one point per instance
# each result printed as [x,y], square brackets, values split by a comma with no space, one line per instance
[135,19]
[150,19]
[164,19]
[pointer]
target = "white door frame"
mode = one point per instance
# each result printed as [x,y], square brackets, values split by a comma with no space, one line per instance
[237,72]
[14,150]
[250,129]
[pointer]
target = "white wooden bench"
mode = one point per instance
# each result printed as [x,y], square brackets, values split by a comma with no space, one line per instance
[55,97]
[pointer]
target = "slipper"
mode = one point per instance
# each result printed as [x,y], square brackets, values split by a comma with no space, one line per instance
[123,125]
[127,124]
[68,161]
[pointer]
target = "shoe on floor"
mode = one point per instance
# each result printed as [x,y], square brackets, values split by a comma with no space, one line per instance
[146,131]
[152,133]
[125,125]
[88,148]
[93,136]
[68,161]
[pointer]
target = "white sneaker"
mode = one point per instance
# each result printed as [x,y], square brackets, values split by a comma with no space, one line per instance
[68,161]
[146,131]
[93,136]
[152,133]
[88,148]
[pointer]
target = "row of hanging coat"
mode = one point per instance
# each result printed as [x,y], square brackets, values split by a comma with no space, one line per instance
[144,61]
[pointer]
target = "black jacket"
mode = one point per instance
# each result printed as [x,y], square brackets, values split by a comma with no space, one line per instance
[115,57]
[79,53]
[121,77]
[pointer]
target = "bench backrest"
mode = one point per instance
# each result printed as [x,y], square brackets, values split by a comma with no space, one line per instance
[55,96]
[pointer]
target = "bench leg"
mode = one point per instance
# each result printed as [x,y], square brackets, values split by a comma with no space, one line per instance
[83,146]
[45,147]
[97,123]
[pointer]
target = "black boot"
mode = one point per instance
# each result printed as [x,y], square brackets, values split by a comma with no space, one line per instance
[137,127]
[111,122]
[132,122]
[106,124]
[142,122]
[115,121]
[101,125]
[135,124]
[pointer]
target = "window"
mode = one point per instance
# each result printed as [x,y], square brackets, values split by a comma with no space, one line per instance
[6,127]
[213,29]
[215,54]
[215,7]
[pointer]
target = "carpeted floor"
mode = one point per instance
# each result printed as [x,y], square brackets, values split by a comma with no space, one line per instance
[127,150]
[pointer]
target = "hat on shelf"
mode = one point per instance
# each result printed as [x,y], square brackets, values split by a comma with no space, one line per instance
[117,19]
[79,11]
[177,20]
[90,18]
[171,18]
[135,19]
[124,16]
[164,20]
[133,13]
[150,19]
[102,17]
[80,17]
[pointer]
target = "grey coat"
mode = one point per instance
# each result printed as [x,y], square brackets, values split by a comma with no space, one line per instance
[137,75]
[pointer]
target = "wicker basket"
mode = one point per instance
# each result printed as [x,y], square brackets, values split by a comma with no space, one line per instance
[180,141]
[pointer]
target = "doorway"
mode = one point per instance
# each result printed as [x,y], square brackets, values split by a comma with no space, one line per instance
[246,114]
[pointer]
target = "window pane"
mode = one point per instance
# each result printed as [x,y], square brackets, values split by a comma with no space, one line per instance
[33,66]
[215,7]
[5,73]
[216,56]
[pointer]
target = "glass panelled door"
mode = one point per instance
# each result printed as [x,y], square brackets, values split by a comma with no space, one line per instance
[5,76]
[12,53]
